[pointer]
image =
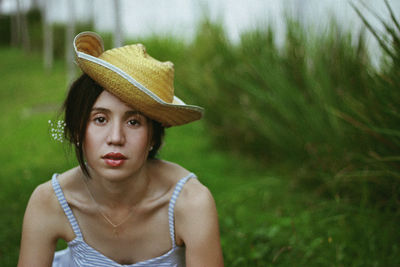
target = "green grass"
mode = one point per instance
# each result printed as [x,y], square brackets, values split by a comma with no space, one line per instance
[265,218]
[316,101]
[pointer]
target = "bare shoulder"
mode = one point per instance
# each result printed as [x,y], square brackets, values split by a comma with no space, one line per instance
[196,224]
[43,225]
[44,211]
[43,199]
[169,171]
[194,207]
[194,194]
[194,197]
[69,178]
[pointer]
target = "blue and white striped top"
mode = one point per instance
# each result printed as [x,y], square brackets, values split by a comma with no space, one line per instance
[80,254]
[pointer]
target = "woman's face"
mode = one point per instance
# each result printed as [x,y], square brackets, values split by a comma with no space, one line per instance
[117,140]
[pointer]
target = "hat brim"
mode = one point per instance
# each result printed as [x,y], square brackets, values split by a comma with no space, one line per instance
[89,46]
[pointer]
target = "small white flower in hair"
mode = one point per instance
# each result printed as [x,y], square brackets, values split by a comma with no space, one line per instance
[57,130]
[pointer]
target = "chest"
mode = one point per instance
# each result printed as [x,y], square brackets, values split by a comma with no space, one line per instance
[143,235]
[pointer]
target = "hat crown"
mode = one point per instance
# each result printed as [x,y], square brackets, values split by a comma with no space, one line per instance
[136,78]
[155,75]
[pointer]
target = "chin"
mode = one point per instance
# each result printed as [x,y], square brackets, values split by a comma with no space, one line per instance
[123,171]
[115,174]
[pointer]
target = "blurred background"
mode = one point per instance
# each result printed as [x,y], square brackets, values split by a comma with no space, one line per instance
[300,142]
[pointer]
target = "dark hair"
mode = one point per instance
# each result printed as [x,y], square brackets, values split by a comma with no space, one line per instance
[77,107]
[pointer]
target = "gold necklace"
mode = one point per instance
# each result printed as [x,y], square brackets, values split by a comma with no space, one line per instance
[106,218]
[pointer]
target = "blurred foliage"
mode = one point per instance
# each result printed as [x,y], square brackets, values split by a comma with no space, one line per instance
[35,31]
[316,101]
[5,30]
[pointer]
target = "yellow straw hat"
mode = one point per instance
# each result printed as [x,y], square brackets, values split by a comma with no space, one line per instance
[136,78]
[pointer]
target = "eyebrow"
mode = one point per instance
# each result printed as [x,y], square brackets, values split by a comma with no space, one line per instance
[127,113]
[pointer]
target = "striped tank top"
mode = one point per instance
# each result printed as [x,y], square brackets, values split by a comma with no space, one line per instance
[80,254]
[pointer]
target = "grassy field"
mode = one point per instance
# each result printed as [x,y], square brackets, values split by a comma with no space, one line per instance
[265,219]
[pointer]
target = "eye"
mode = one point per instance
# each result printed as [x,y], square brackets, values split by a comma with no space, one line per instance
[134,122]
[100,120]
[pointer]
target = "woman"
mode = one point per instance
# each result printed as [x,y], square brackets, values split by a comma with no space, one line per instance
[121,206]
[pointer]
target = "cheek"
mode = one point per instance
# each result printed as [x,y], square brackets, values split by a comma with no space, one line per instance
[139,141]
[91,141]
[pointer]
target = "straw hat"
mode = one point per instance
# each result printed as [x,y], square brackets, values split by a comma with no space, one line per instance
[136,78]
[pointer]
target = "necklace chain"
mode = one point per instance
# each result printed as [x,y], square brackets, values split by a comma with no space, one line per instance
[103,214]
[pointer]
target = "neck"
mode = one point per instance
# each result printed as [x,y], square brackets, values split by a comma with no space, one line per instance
[119,193]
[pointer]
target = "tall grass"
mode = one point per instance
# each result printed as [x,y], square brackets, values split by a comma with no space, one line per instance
[275,100]
[376,115]
[316,101]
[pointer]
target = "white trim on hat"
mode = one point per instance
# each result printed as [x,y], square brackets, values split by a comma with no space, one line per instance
[122,73]
[177,102]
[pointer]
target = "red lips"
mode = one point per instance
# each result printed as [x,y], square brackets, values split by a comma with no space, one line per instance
[113,155]
[114,159]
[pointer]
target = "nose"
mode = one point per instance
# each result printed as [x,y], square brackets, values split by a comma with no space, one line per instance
[116,134]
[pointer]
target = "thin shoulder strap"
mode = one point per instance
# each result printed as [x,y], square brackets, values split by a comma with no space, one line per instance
[172,202]
[63,202]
